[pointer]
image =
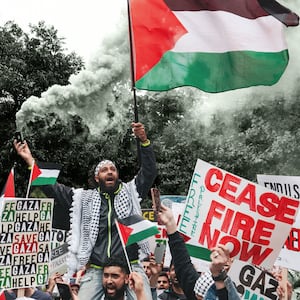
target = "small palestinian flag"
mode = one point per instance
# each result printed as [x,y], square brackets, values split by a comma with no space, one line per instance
[134,229]
[9,189]
[44,174]
[2,295]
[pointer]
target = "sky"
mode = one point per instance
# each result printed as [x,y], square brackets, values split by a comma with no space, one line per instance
[83,23]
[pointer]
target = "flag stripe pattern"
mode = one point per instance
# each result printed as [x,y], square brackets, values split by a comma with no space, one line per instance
[231,6]
[47,175]
[198,252]
[135,228]
[212,45]
[194,249]
[280,12]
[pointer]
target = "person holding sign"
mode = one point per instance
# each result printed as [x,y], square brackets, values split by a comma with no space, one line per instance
[194,285]
[94,236]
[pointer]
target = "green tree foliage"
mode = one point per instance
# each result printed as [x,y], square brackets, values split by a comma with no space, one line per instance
[29,64]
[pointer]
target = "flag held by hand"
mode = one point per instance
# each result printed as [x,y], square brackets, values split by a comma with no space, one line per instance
[134,229]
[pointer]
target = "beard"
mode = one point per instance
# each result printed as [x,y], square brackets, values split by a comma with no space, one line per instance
[109,189]
[119,293]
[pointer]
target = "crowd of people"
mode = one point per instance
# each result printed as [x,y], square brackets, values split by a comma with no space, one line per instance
[96,251]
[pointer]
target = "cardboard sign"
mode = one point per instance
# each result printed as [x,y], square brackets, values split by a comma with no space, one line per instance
[252,282]
[289,186]
[25,237]
[249,219]
[59,257]
[59,252]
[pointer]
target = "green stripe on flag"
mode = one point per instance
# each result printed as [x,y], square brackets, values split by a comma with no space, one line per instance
[44,181]
[198,252]
[139,236]
[212,72]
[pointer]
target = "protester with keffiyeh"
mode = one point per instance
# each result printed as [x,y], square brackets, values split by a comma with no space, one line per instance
[94,236]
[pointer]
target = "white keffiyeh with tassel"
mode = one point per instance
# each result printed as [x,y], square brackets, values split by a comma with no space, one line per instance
[85,214]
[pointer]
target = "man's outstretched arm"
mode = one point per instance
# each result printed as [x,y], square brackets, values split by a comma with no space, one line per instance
[147,172]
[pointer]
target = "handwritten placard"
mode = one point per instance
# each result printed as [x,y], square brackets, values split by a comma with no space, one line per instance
[251,220]
[59,251]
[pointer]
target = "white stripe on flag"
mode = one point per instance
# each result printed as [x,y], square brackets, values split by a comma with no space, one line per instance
[207,31]
[49,173]
[141,226]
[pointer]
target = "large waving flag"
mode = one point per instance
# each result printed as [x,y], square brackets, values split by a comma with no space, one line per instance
[213,45]
[134,229]
[9,189]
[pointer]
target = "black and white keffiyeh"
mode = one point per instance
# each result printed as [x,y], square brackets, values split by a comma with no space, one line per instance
[85,214]
[203,284]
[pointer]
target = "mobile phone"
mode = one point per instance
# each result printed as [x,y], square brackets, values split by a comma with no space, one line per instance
[155,195]
[159,252]
[18,137]
[167,202]
[64,291]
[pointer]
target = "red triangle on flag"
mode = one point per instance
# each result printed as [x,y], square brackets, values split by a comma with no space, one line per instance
[36,172]
[2,295]
[185,237]
[125,232]
[9,190]
[160,30]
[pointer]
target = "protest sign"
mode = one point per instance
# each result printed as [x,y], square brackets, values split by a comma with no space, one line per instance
[252,282]
[59,259]
[25,231]
[289,186]
[59,251]
[251,220]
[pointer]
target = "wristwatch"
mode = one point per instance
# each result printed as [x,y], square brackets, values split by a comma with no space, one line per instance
[221,277]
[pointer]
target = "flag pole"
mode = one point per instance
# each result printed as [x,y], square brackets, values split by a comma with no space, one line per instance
[123,246]
[133,88]
[30,179]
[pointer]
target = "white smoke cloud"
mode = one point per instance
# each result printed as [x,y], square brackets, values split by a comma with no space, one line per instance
[90,90]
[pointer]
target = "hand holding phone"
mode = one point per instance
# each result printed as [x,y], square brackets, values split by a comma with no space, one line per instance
[155,195]
[159,252]
[64,291]
[18,137]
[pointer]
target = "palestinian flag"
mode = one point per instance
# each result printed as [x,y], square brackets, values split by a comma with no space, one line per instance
[2,295]
[134,229]
[44,174]
[194,249]
[9,189]
[212,45]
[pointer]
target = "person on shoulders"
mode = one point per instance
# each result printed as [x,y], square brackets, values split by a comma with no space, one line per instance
[93,235]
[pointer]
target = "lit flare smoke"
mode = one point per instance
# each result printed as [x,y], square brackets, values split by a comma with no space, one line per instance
[89,91]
